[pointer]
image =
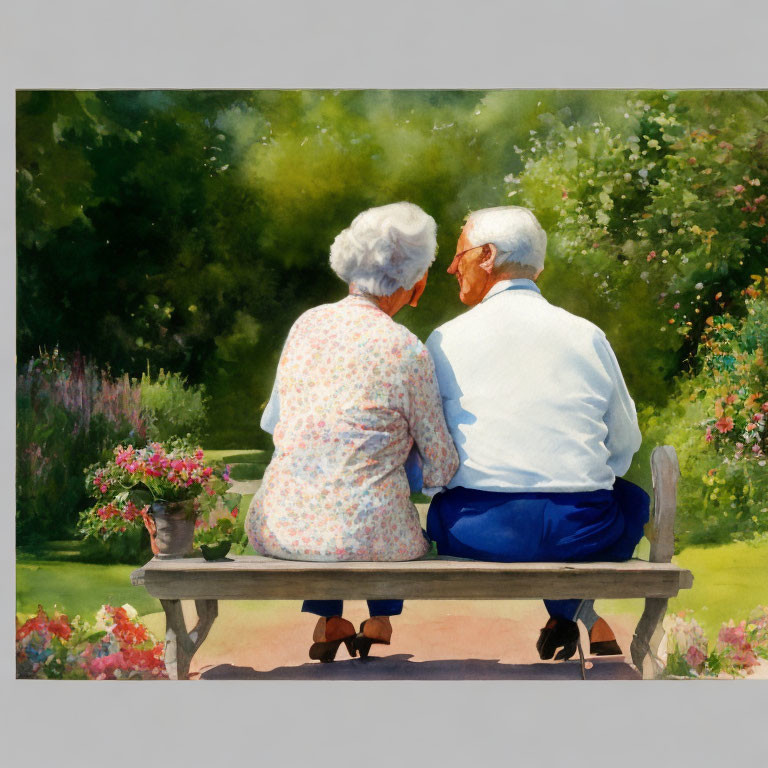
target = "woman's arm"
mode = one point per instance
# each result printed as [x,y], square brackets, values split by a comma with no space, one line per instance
[426,422]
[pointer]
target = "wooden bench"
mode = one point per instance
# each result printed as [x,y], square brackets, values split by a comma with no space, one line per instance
[263,578]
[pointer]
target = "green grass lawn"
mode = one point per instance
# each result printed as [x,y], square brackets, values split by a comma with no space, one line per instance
[77,588]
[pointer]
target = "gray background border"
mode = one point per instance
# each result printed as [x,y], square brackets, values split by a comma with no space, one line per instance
[346,44]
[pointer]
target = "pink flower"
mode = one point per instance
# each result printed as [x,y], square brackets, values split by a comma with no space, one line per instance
[103,489]
[207,472]
[651,256]
[695,656]
[677,305]
[738,189]
[708,436]
[757,417]
[732,640]
[198,454]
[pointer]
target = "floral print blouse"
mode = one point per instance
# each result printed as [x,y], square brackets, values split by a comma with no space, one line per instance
[354,392]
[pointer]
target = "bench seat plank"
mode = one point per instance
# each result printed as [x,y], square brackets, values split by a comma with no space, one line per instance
[263,578]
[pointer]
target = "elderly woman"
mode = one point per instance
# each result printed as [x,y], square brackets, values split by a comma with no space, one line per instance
[355,396]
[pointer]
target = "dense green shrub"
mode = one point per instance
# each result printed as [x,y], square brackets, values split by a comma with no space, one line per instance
[172,407]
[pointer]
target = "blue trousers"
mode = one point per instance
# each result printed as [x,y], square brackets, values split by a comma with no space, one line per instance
[330,608]
[603,525]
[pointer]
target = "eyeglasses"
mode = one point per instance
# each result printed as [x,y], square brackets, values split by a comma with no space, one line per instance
[457,258]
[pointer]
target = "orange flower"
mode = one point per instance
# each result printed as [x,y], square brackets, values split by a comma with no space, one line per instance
[724,424]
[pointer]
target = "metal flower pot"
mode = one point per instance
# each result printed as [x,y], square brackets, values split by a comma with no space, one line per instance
[174,528]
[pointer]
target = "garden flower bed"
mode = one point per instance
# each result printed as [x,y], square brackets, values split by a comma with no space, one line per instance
[116,646]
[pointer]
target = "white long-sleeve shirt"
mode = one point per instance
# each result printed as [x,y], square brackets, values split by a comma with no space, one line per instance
[533,396]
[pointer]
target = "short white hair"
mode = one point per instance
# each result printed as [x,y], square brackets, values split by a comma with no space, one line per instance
[515,232]
[385,248]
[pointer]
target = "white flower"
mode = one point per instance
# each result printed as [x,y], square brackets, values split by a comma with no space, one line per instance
[699,286]
[103,620]
[133,614]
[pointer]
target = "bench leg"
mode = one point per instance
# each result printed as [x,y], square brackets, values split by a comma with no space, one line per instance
[647,639]
[181,645]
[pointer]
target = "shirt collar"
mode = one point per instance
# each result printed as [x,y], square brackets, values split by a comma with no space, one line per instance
[518,283]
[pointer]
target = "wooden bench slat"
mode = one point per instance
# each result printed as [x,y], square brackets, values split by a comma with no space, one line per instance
[259,578]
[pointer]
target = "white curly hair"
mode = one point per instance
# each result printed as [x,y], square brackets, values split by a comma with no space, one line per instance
[385,248]
[515,232]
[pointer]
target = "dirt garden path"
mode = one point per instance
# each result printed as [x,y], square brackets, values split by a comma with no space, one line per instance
[433,640]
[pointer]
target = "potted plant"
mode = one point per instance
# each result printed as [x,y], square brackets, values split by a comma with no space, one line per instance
[223,531]
[164,486]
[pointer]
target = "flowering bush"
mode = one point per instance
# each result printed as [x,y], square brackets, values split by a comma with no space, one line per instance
[126,486]
[735,652]
[716,420]
[117,646]
[67,414]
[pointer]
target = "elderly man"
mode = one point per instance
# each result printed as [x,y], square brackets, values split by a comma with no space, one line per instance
[542,421]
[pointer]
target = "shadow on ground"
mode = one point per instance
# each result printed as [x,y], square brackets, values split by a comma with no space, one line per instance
[400,667]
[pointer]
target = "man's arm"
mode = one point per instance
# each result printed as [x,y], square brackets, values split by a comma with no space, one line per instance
[624,437]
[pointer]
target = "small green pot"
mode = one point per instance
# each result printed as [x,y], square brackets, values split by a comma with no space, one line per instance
[217,551]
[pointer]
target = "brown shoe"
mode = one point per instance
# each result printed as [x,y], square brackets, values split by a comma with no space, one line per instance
[329,634]
[376,630]
[602,641]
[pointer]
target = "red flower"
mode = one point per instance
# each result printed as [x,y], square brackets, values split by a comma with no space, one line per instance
[59,626]
[37,624]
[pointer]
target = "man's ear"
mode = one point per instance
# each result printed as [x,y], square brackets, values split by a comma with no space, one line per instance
[489,253]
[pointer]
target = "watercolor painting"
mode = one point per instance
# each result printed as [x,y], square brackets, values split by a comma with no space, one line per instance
[392,385]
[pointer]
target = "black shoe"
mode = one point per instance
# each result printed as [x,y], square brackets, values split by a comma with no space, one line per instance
[556,633]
